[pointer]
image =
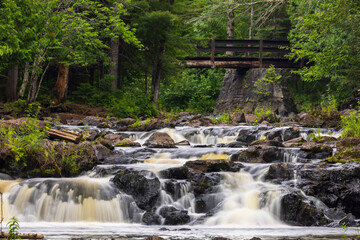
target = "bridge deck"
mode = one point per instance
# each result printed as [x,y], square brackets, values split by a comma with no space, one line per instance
[273,50]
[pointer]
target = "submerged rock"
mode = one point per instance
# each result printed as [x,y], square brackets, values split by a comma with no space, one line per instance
[142,185]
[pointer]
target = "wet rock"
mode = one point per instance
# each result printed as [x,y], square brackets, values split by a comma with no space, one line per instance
[183,143]
[258,154]
[295,142]
[160,140]
[348,149]
[142,185]
[151,218]
[280,172]
[175,173]
[106,143]
[127,142]
[92,135]
[316,150]
[101,152]
[113,138]
[200,205]
[348,221]
[4,176]
[174,216]
[204,182]
[297,210]
[266,142]
[223,238]
[213,166]
[247,135]
[236,145]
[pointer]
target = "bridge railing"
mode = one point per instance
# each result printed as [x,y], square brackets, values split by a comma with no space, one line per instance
[248,47]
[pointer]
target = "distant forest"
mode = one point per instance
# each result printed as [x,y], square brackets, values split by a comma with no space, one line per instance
[128,55]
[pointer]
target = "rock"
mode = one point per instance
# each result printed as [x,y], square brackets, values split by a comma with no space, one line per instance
[297,210]
[106,143]
[236,145]
[251,118]
[213,166]
[308,120]
[151,218]
[348,221]
[127,142]
[238,117]
[126,121]
[175,173]
[266,142]
[174,216]
[295,142]
[316,150]
[92,135]
[238,92]
[142,185]
[291,133]
[223,238]
[258,154]
[247,135]
[101,152]
[203,183]
[113,138]
[160,140]
[183,143]
[154,238]
[348,149]
[4,176]
[280,172]
[93,121]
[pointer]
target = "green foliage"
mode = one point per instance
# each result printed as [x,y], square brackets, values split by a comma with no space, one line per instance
[326,34]
[270,78]
[315,136]
[195,92]
[265,113]
[350,125]
[14,228]
[25,142]
[328,103]
[221,118]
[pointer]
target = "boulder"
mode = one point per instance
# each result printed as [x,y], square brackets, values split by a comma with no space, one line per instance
[183,143]
[125,121]
[259,154]
[316,150]
[101,152]
[175,173]
[151,218]
[174,216]
[247,135]
[113,138]
[142,185]
[238,117]
[295,142]
[93,121]
[160,140]
[127,142]
[204,183]
[297,210]
[266,142]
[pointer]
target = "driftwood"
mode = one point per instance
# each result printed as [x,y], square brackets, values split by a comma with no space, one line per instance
[4,235]
[64,135]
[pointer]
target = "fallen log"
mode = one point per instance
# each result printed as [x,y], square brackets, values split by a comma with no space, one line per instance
[4,235]
[64,135]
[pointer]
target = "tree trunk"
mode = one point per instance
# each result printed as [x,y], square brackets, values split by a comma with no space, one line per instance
[251,19]
[230,28]
[155,86]
[114,67]
[25,80]
[34,80]
[61,86]
[11,83]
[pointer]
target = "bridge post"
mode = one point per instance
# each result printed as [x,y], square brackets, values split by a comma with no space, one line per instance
[213,52]
[260,52]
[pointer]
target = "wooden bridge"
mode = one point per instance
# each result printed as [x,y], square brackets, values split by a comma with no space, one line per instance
[245,54]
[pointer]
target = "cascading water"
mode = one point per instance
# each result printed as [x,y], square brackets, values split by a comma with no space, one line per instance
[242,199]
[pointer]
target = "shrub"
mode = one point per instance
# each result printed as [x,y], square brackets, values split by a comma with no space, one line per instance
[350,125]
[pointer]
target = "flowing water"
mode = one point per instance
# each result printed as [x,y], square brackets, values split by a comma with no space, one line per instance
[91,207]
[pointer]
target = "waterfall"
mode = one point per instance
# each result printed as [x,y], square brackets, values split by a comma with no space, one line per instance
[248,202]
[69,200]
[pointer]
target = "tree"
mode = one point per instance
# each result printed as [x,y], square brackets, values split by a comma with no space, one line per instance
[327,35]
